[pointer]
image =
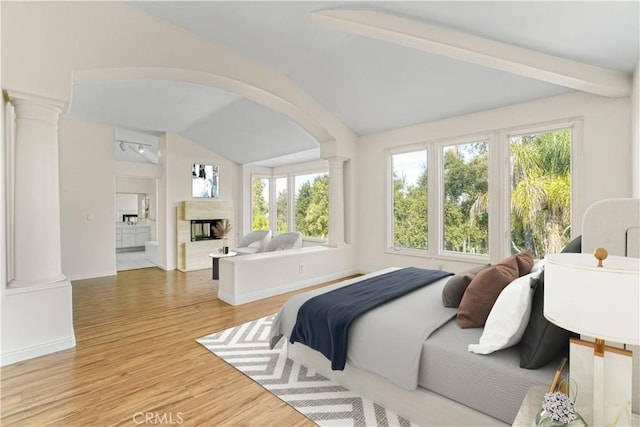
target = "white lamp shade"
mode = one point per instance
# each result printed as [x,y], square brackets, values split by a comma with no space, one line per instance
[599,302]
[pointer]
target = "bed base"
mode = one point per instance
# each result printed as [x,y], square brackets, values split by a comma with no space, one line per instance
[421,407]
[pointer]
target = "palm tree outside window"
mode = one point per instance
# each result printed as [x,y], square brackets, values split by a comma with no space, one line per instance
[540,191]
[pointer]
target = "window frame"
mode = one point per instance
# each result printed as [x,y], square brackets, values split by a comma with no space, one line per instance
[389,217]
[272,175]
[575,126]
[498,188]
[439,202]
[274,225]
[253,176]
[292,200]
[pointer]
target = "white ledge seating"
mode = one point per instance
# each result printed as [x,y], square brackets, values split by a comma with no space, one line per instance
[284,241]
[252,277]
[253,242]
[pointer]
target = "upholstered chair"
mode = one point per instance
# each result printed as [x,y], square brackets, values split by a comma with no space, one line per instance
[254,242]
[285,241]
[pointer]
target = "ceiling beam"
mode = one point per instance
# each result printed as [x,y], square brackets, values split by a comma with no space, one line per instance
[477,50]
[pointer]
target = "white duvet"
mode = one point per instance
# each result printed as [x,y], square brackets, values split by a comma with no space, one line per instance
[389,339]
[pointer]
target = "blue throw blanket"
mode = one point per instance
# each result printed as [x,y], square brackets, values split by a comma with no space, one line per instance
[323,322]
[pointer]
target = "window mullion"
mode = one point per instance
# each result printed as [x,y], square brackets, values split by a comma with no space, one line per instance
[389,218]
[435,199]
[292,202]
[273,207]
[499,199]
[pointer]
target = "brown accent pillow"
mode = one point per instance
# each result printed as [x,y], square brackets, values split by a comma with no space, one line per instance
[454,289]
[525,262]
[483,291]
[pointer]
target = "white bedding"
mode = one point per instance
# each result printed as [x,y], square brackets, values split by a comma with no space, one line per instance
[389,339]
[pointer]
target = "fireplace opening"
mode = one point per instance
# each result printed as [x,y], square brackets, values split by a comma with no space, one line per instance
[202,229]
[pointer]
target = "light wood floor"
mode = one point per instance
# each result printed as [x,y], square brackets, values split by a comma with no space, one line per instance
[136,357]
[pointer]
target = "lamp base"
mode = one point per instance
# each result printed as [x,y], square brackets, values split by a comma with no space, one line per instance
[603,375]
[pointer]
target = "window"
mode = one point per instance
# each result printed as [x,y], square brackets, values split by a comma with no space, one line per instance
[292,201]
[540,193]
[465,170]
[259,203]
[312,204]
[282,205]
[409,198]
[486,196]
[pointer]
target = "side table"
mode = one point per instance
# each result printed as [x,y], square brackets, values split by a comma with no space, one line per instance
[531,405]
[215,256]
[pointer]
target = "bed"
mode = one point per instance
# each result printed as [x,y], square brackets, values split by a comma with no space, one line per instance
[439,382]
[494,385]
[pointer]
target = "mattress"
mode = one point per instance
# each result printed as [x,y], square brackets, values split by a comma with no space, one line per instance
[493,384]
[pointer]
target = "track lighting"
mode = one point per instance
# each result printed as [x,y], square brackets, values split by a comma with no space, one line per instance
[137,146]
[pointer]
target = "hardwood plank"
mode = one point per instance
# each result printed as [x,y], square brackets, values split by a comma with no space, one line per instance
[136,357]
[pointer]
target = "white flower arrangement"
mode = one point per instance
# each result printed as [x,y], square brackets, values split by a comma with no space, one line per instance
[559,407]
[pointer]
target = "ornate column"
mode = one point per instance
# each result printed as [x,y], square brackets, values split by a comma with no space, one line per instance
[336,201]
[37,307]
[36,249]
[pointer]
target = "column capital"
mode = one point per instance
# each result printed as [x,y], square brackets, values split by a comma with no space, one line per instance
[34,107]
[336,160]
[15,96]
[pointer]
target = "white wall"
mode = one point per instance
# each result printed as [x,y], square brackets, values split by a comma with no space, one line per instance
[3,206]
[604,159]
[87,194]
[86,199]
[134,185]
[635,130]
[179,155]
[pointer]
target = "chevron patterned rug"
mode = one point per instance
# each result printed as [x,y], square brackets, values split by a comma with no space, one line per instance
[327,403]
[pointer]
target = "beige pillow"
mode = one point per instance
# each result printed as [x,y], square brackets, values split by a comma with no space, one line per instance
[455,287]
[483,292]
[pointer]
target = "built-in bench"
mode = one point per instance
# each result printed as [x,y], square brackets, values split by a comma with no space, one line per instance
[252,277]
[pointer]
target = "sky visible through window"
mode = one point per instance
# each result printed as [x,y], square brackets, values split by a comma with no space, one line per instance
[299,182]
[412,165]
[302,179]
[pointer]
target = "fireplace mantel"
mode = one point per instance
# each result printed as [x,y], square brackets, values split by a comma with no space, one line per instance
[195,255]
[210,209]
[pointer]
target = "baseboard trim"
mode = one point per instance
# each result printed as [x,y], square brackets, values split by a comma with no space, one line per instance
[93,275]
[254,296]
[37,350]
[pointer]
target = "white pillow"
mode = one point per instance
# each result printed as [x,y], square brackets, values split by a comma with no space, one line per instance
[508,317]
[537,266]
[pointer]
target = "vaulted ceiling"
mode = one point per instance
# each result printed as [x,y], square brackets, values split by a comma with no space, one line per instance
[370,70]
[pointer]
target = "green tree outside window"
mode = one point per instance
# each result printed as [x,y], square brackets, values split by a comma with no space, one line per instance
[259,205]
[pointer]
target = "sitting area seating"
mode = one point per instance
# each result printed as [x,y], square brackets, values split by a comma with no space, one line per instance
[284,241]
[254,242]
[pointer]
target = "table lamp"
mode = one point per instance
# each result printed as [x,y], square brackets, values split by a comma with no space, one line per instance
[597,297]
